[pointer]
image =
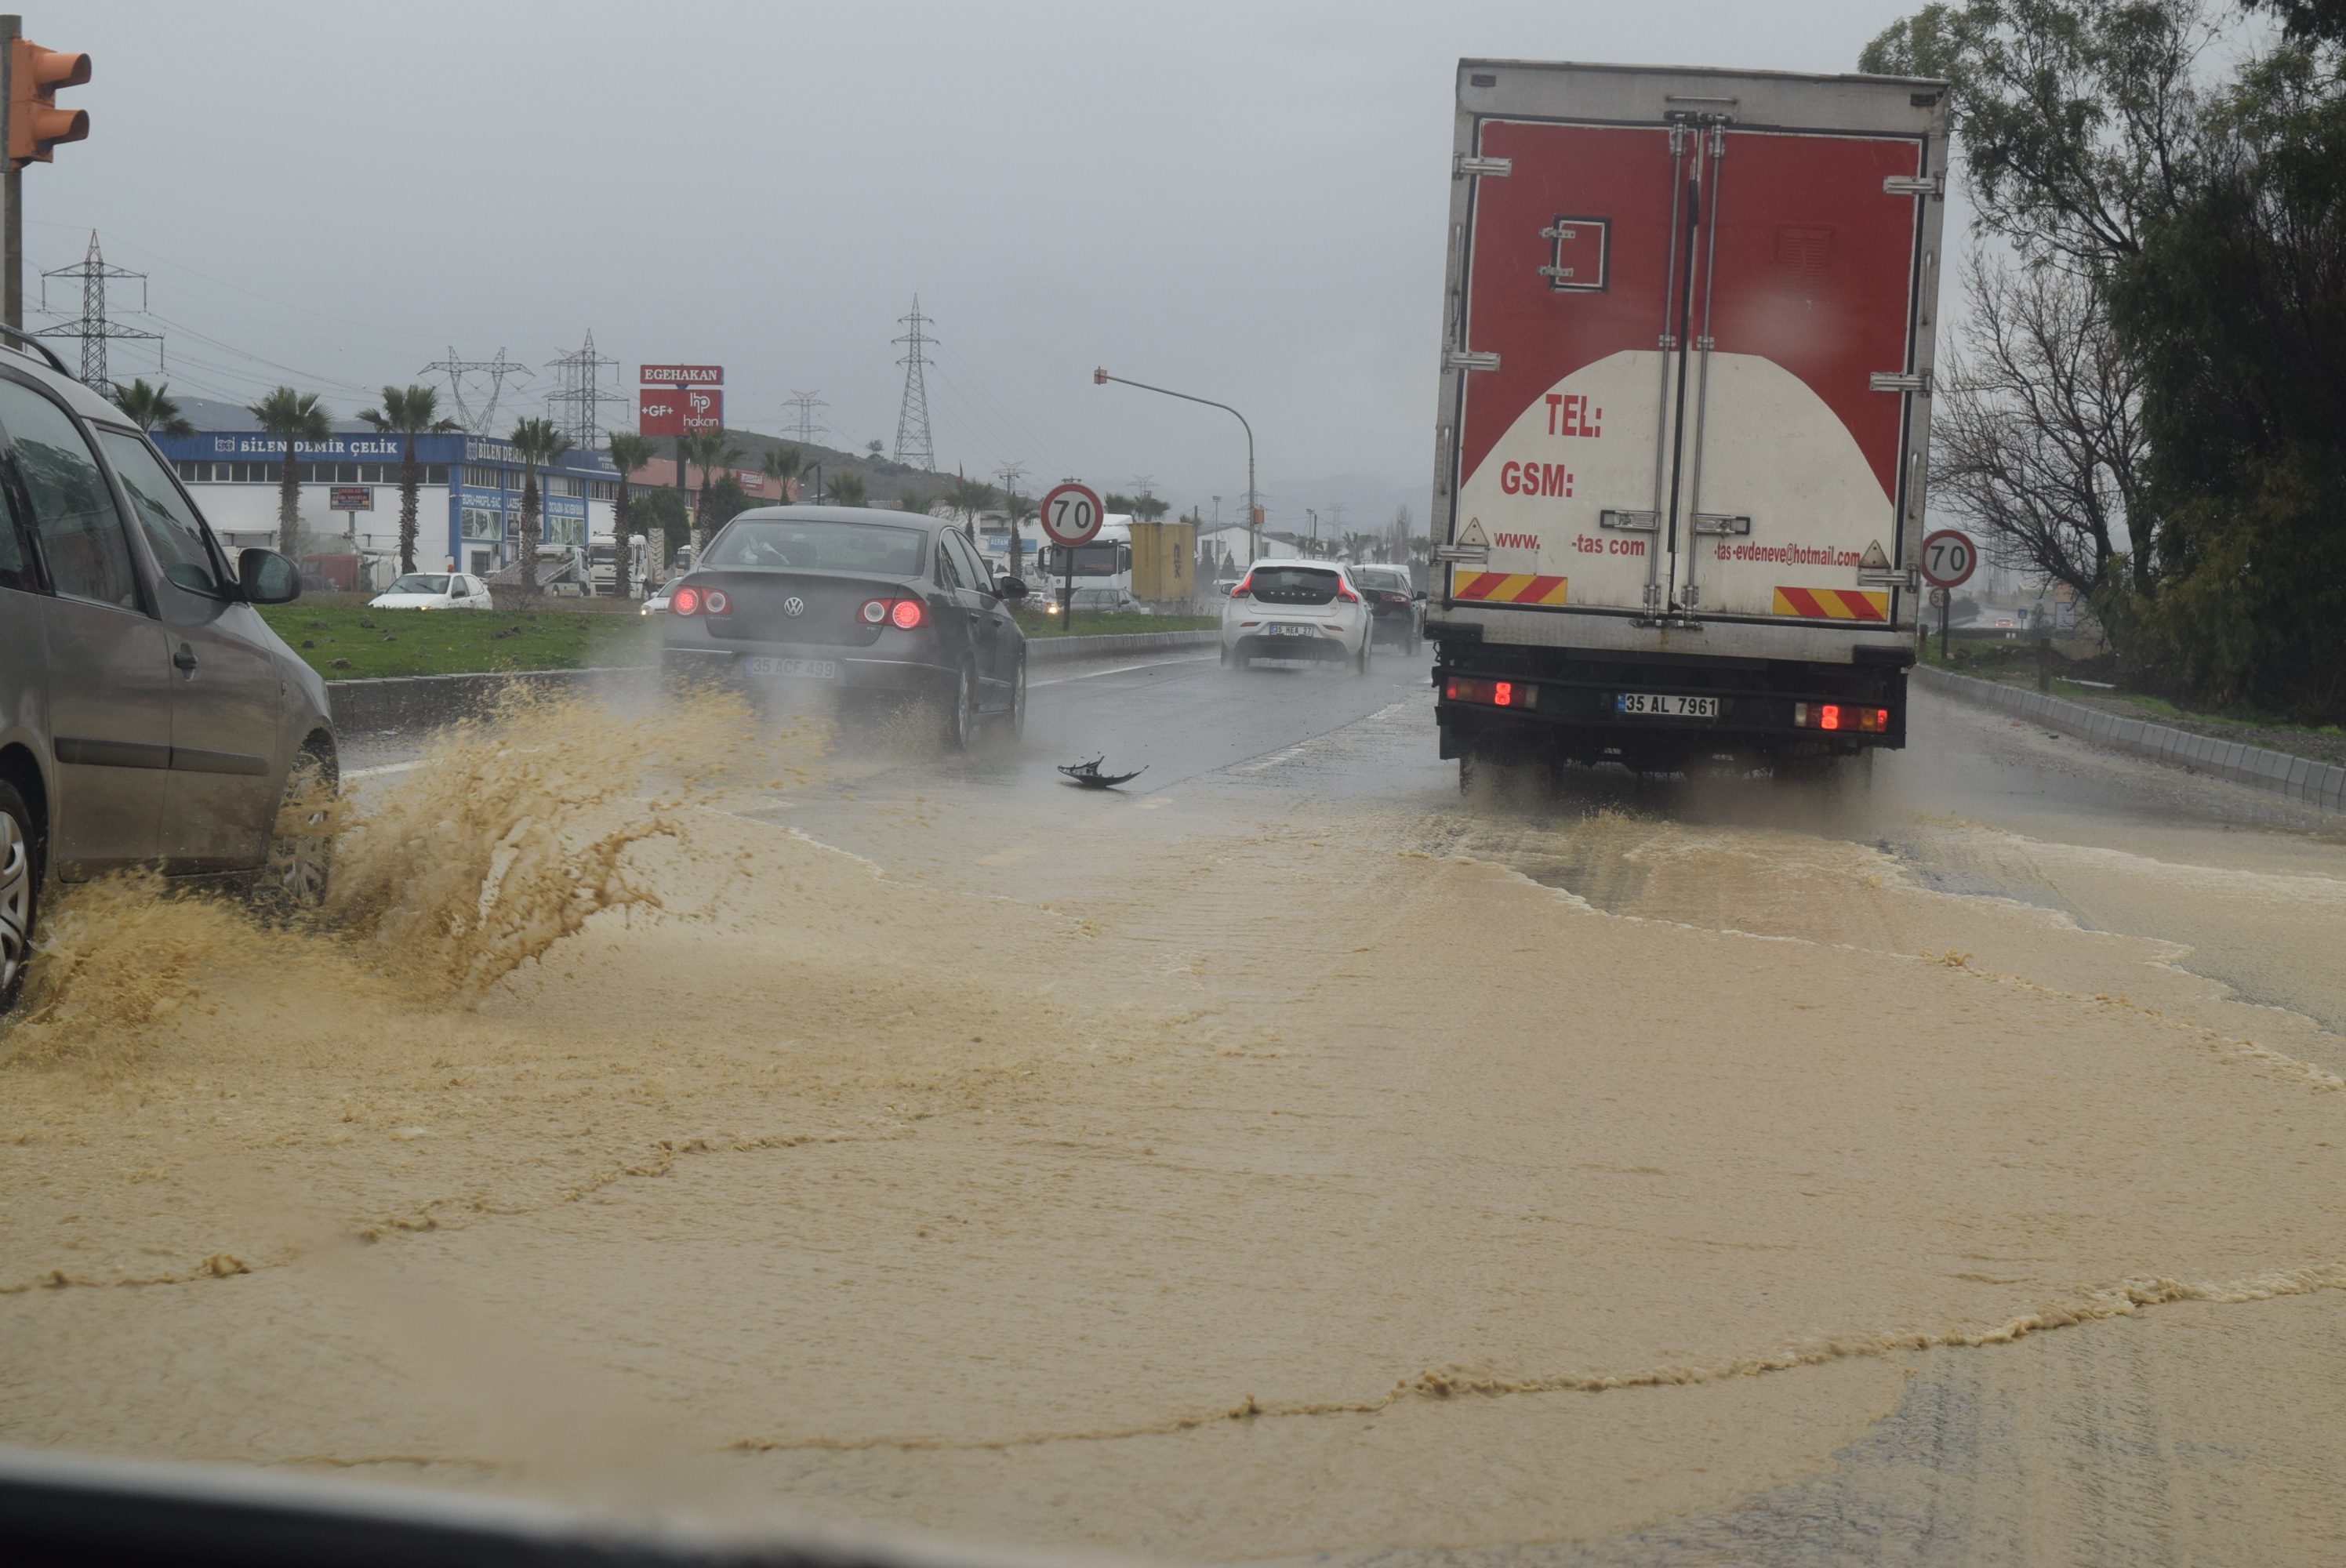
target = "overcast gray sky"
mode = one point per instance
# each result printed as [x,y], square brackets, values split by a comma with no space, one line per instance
[1241,200]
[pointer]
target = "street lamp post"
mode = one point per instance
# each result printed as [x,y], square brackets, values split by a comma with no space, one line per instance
[1254,545]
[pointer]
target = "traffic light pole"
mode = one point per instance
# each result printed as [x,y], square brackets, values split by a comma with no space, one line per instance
[11,225]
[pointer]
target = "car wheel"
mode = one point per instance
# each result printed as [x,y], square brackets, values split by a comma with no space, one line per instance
[301,841]
[20,890]
[960,713]
[1226,656]
[1018,701]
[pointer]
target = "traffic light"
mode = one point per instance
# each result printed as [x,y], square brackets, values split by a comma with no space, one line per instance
[35,124]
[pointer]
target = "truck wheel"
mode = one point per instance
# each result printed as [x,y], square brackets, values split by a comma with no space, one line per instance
[20,890]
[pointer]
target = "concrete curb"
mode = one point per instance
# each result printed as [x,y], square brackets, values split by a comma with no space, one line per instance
[410,701]
[1051,650]
[406,702]
[2304,779]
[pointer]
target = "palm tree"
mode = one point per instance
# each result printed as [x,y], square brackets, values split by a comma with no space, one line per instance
[150,410]
[629,452]
[291,417]
[1021,508]
[968,497]
[909,501]
[409,413]
[1147,508]
[708,451]
[847,490]
[534,442]
[779,463]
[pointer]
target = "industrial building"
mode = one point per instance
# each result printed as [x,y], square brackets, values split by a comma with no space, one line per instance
[468,513]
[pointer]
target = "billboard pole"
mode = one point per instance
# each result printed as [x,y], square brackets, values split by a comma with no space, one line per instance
[12,189]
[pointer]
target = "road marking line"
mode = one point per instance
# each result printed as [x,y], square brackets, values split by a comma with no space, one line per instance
[378,772]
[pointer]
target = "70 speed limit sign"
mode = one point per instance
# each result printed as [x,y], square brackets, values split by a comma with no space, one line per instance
[1949,558]
[1071,515]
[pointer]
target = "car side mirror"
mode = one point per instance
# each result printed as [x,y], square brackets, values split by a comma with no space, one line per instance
[1010,587]
[267,578]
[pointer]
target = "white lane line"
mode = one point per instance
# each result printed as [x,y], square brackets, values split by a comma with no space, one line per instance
[1120,669]
[378,772]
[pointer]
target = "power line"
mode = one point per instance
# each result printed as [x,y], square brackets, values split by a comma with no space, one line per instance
[577,404]
[803,423]
[92,328]
[496,370]
[914,445]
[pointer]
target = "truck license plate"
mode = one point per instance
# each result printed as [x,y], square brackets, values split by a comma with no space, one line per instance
[806,668]
[1659,705]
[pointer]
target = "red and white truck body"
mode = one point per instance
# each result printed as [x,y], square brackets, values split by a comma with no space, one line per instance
[1685,410]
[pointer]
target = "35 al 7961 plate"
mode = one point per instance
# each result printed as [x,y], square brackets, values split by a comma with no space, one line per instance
[1665,705]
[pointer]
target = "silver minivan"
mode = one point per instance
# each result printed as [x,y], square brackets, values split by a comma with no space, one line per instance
[148,717]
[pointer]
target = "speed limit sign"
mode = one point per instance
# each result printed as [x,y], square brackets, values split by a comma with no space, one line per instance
[1071,515]
[1949,558]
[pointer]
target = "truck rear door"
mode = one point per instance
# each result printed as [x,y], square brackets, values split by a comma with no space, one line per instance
[1684,353]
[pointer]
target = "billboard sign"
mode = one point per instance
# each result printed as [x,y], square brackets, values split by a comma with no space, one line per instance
[660,411]
[351,498]
[704,407]
[683,375]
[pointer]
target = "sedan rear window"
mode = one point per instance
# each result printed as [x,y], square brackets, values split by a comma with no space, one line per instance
[1390,582]
[822,547]
[420,583]
[1294,586]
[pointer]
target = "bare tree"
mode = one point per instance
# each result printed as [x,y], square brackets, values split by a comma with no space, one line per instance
[2037,438]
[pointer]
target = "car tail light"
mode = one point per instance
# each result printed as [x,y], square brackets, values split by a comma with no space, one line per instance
[908,614]
[1344,592]
[717,603]
[1841,715]
[1497,693]
[1246,587]
[684,602]
[874,612]
[1402,600]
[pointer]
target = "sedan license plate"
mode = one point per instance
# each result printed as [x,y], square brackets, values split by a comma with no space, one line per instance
[806,668]
[1661,705]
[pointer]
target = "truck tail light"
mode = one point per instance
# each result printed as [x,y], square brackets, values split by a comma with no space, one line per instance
[684,602]
[1497,693]
[1841,715]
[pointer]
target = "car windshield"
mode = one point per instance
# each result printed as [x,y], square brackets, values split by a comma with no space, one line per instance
[815,545]
[1293,585]
[420,583]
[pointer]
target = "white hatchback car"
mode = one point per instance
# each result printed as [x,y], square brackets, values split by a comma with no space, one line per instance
[434,591]
[1287,610]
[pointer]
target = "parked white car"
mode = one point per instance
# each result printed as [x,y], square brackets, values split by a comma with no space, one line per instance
[434,591]
[1289,610]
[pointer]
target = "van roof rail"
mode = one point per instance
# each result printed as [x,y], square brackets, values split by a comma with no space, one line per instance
[30,342]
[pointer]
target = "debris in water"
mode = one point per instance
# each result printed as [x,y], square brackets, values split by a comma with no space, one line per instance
[1089,775]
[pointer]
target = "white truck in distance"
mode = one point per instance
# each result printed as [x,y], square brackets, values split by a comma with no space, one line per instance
[1684,413]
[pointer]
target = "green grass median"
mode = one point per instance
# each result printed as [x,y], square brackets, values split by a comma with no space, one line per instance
[352,642]
[1085,624]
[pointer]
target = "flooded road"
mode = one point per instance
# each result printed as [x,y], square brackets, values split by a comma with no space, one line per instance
[1283,1156]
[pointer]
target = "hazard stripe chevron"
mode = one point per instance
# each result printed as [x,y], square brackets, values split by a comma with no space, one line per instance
[1832,604]
[1506,588]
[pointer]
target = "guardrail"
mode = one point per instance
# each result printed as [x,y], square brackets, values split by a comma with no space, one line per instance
[420,701]
[2304,779]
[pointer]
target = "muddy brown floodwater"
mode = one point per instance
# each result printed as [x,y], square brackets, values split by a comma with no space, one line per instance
[1241,1171]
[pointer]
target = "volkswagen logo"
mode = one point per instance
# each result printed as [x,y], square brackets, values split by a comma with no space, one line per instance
[794,606]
